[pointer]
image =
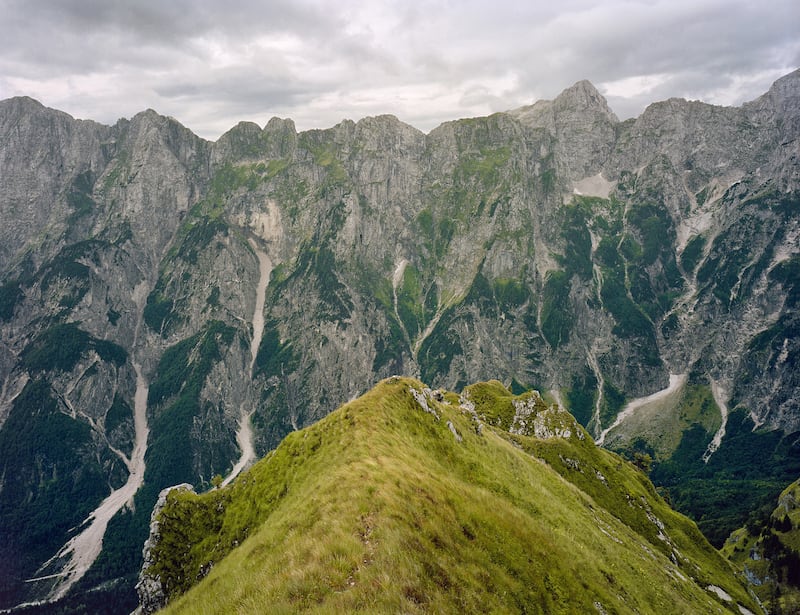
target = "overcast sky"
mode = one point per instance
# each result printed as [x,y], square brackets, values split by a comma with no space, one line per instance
[211,64]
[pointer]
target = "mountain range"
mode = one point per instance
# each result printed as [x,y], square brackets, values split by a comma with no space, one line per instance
[172,308]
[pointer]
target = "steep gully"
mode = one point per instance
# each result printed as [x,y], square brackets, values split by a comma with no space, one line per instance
[83,549]
[414,344]
[676,384]
[244,437]
[720,395]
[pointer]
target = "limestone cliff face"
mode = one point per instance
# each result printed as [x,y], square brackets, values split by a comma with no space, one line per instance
[551,247]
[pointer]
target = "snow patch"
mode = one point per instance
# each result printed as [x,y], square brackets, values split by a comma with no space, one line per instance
[597,185]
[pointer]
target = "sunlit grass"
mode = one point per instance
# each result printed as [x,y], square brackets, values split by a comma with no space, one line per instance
[378,509]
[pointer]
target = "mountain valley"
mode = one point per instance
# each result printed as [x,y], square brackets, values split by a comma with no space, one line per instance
[172,309]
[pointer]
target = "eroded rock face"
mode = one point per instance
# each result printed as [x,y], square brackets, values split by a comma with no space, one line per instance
[551,246]
[152,596]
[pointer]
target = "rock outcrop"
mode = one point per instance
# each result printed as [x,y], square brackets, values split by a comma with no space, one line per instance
[151,592]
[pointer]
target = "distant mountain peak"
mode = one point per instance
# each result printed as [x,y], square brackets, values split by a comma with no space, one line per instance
[584,96]
[785,93]
[580,98]
[23,102]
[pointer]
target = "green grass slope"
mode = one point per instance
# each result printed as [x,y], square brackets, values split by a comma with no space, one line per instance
[410,501]
[767,551]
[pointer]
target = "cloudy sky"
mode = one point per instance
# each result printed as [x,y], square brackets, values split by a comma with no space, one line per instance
[211,64]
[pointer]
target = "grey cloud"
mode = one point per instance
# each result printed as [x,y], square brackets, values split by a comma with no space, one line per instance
[94,34]
[425,61]
[239,88]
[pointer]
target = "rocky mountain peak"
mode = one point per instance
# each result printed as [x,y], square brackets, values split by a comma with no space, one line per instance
[20,104]
[582,124]
[26,111]
[277,124]
[584,97]
[781,101]
[786,92]
[280,136]
[245,140]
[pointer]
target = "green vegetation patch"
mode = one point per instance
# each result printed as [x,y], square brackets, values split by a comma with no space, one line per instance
[510,293]
[79,196]
[228,179]
[613,402]
[501,295]
[692,253]
[69,277]
[186,364]
[118,414]
[61,347]
[575,232]
[158,312]
[662,428]
[767,552]
[438,350]
[485,166]
[10,295]
[493,403]
[787,273]
[162,313]
[748,471]
[556,317]
[174,402]
[581,395]
[631,321]
[37,444]
[275,357]
[548,175]
[196,235]
[325,154]
[655,228]
[335,302]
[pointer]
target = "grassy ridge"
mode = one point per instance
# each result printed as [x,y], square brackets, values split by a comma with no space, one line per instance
[380,508]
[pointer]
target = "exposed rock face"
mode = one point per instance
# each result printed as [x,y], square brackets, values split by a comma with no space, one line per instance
[551,246]
[152,596]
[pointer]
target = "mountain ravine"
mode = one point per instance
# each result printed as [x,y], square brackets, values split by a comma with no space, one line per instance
[552,247]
